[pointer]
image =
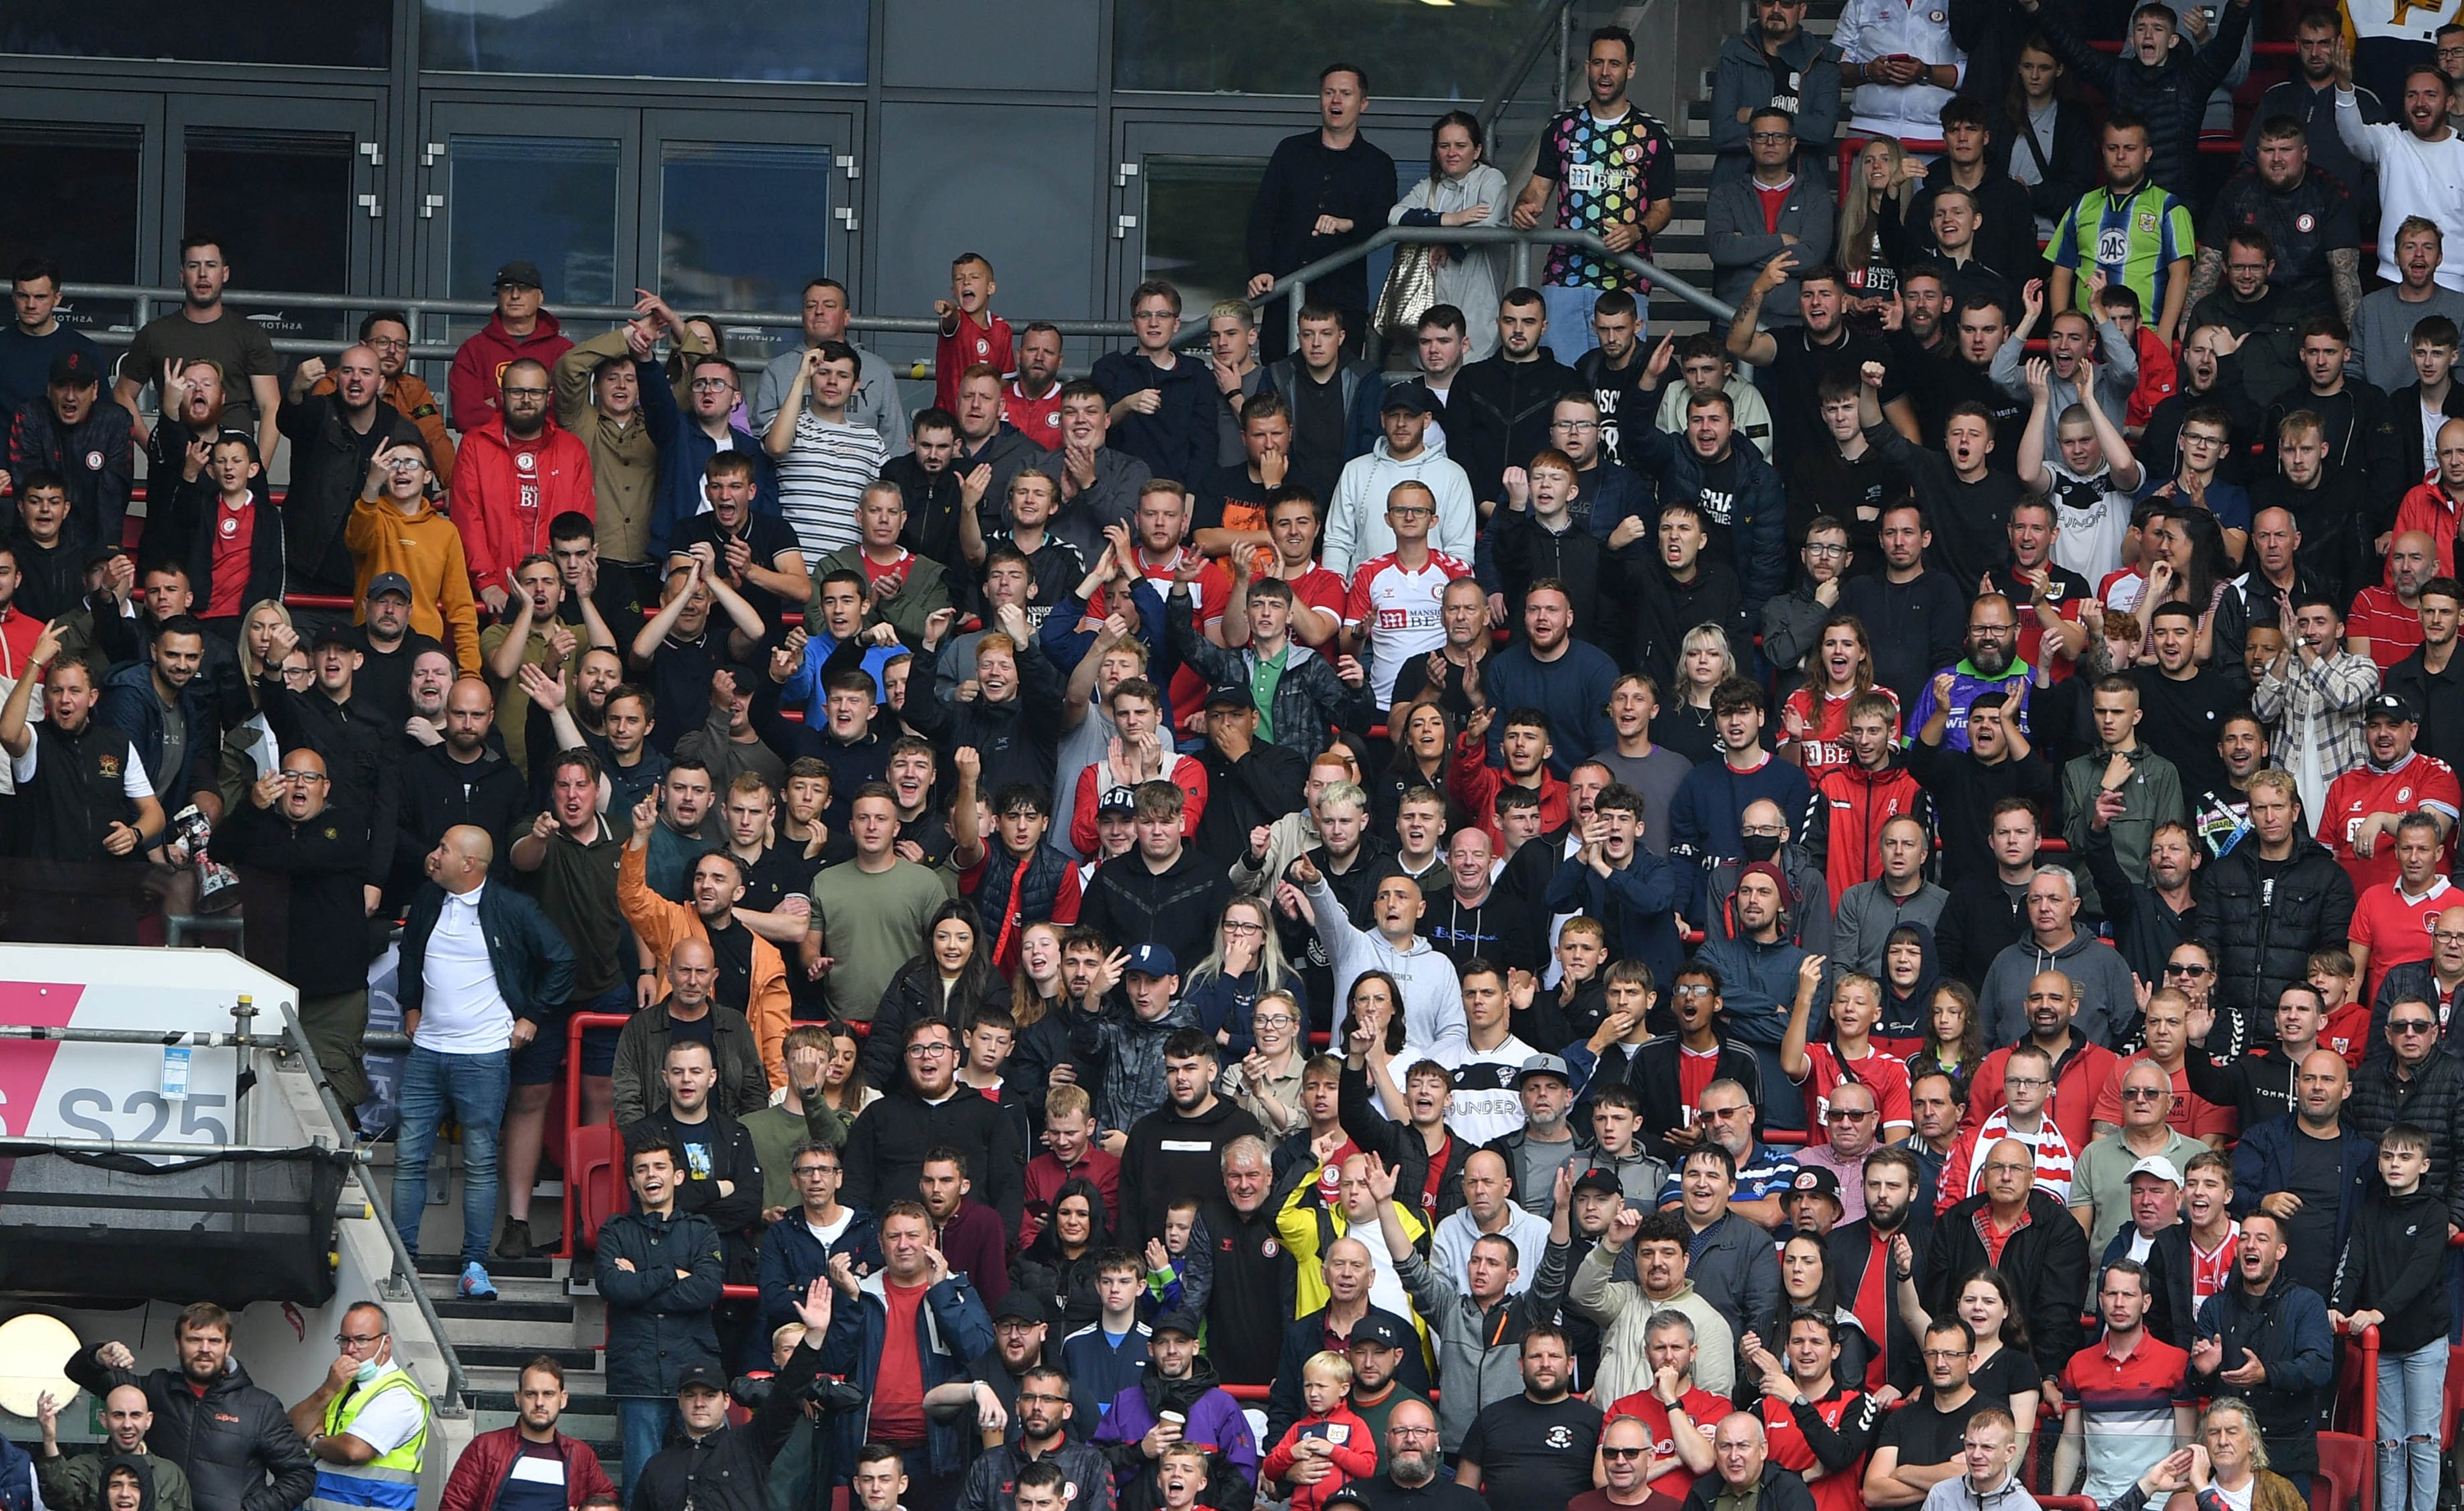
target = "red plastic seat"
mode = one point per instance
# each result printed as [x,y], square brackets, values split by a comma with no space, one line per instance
[591,1178]
[2347,1476]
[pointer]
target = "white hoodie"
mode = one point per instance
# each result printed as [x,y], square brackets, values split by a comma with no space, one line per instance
[1355,524]
[1433,1012]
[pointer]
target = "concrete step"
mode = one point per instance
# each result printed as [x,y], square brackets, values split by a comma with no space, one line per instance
[477,1358]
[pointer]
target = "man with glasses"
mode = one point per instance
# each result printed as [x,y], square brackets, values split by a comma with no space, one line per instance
[1850,1129]
[997,1377]
[687,439]
[1413,1478]
[288,827]
[2101,1182]
[1920,1444]
[1939,716]
[1039,1413]
[2165,1041]
[886,1148]
[1778,205]
[1774,64]
[1164,405]
[2413,1083]
[2435,981]
[2020,1229]
[367,1423]
[2307,1169]
[1626,1457]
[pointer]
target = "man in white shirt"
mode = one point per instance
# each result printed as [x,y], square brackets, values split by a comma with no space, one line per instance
[2420,161]
[480,965]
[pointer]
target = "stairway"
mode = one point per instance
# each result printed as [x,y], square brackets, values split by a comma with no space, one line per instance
[534,1314]
[1680,247]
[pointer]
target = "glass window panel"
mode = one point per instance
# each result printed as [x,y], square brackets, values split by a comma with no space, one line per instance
[1413,49]
[549,200]
[72,195]
[1197,223]
[329,33]
[282,202]
[805,41]
[742,227]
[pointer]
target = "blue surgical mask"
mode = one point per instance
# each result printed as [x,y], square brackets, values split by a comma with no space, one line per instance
[368,1370]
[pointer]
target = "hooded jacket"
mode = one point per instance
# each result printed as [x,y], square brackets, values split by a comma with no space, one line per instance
[2171,95]
[1842,829]
[479,366]
[1757,522]
[488,497]
[1742,78]
[951,1328]
[1171,1153]
[95,459]
[234,1442]
[2287,1328]
[1905,1015]
[1497,417]
[2107,993]
[729,1469]
[1310,701]
[1479,1351]
[1356,520]
[1129,1050]
[624,452]
[426,548]
[1808,899]
[74,1481]
[1432,1005]
[2262,920]
[1212,1419]
[2395,1262]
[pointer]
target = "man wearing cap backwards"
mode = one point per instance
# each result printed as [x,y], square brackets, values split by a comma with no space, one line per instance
[2103,1177]
[70,428]
[1176,1148]
[1179,1401]
[1040,1416]
[2366,803]
[520,328]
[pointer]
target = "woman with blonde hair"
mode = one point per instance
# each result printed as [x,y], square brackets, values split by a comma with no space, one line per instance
[1246,963]
[1041,1058]
[1265,1081]
[1683,724]
[1873,240]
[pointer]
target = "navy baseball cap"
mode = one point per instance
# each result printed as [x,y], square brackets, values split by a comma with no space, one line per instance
[1152,960]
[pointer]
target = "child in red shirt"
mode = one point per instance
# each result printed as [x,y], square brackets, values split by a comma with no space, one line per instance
[1331,1432]
[970,333]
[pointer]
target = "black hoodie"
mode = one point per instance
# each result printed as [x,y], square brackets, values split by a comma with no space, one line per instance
[2395,1262]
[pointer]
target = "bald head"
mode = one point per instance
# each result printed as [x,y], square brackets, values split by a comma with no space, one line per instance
[461,859]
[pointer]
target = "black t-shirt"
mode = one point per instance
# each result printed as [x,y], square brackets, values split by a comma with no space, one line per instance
[680,682]
[1828,484]
[1797,375]
[691,1031]
[767,535]
[2179,721]
[1411,679]
[1319,429]
[1971,535]
[1719,501]
[1227,499]
[2008,1373]
[2318,1178]
[732,947]
[931,835]
[1619,395]
[1924,1435]
[383,681]
[2312,219]
[1536,1453]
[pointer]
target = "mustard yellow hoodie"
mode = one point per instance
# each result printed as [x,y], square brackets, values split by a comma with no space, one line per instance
[424,547]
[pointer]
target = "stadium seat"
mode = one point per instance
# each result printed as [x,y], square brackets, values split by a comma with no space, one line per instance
[2347,1480]
[591,1178]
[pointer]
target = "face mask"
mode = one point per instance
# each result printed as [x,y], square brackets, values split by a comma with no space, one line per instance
[368,1370]
[1761,847]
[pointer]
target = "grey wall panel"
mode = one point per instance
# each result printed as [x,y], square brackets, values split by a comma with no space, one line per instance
[1008,181]
[962,45]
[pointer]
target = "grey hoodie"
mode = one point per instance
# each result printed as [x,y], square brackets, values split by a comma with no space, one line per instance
[1432,1011]
[2108,993]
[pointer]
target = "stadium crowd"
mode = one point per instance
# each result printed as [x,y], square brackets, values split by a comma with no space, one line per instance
[1825,914]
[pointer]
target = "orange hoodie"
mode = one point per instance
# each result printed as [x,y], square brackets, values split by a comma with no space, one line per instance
[424,547]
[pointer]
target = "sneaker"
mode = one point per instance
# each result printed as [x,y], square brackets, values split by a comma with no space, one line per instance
[515,1242]
[474,1286]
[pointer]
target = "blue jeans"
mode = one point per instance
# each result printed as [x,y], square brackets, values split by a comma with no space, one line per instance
[645,1420]
[2409,1386]
[472,1089]
[1570,320]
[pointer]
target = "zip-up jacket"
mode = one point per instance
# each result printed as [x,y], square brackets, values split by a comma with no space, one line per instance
[1479,1351]
[792,1258]
[95,459]
[2171,95]
[1432,1005]
[181,528]
[531,964]
[502,520]
[2395,1262]
[1355,519]
[2430,1096]
[2262,920]
[480,1475]
[2264,1157]
[1757,528]
[130,705]
[1310,702]
[2287,1328]
[234,1440]
[1171,1152]
[1843,824]
[951,1328]
[329,467]
[729,1469]
[2045,1261]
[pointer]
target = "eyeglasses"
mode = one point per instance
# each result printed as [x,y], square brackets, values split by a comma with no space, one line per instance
[815,1171]
[710,384]
[1812,550]
[1767,137]
[2411,1025]
[350,1340]
[1621,1452]
[1847,1114]
[2446,936]
[526,393]
[385,343]
[1574,424]
[1274,1021]
[1410,1432]
[930,1051]
[2142,1093]
[2190,968]
[1243,925]
[2025,1083]
[1409,510]
[1930,1355]
[1025,1396]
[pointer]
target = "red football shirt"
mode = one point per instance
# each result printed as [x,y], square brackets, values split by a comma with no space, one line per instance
[1701,1409]
[1038,417]
[1885,1077]
[2396,927]
[234,538]
[2417,782]
[1825,747]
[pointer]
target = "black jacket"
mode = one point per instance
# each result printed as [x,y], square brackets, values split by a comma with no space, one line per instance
[2262,922]
[2172,1314]
[885,1150]
[2287,1328]
[358,746]
[439,792]
[658,1322]
[1131,905]
[329,466]
[1240,795]
[730,1469]
[319,862]
[1497,416]
[2437,697]
[2145,929]
[1916,628]
[1850,1245]
[1654,1076]
[229,1442]
[1252,1299]
[181,529]
[1782,1490]
[2258,1085]
[738,1218]
[1663,609]
[2045,1262]
[2171,96]
[1304,179]
[2432,1098]
[532,963]
[1016,738]
[1401,1147]
[92,459]
[2395,1262]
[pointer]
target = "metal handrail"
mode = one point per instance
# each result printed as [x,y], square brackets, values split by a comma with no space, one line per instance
[144,297]
[406,1269]
[1296,282]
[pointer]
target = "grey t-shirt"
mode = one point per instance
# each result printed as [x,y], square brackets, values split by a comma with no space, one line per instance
[1656,777]
[2383,343]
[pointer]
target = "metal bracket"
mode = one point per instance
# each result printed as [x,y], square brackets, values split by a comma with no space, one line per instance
[374,152]
[1122,173]
[848,165]
[430,204]
[430,153]
[1123,225]
[375,209]
[846,217]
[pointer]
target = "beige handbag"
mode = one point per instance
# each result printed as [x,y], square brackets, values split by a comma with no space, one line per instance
[1411,287]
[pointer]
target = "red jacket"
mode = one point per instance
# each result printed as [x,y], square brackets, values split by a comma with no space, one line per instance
[2428,508]
[478,365]
[503,517]
[482,1470]
[1844,826]
[1474,784]
[2157,378]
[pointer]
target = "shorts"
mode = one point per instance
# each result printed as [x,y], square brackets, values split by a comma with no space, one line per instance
[537,1063]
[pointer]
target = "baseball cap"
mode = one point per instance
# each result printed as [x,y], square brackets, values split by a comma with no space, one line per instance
[1410,398]
[341,635]
[1152,959]
[1812,1180]
[384,582]
[520,273]
[1346,1497]
[1121,800]
[1544,1066]
[1601,1179]
[701,1376]
[1184,1323]
[1238,696]
[76,369]
[1381,1328]
[2390,706]
[2158,1166]
[1018,1305]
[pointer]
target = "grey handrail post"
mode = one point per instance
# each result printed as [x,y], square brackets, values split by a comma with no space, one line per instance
[1518,265]
[1292,309]
[1521,241]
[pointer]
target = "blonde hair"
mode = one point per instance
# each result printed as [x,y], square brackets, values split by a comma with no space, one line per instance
[1853,247]
[1327,1361]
